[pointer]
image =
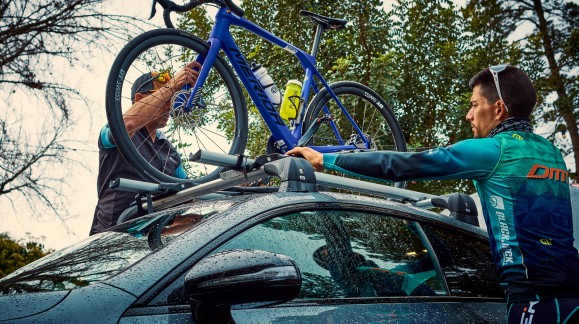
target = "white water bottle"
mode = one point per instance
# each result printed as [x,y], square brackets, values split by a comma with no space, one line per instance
[271,90]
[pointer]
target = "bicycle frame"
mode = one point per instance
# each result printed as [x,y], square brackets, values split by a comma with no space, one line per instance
[221,39]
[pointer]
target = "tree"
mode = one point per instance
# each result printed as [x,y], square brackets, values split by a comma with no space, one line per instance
[550,34]
[424,76]
[14,255]
[36,37]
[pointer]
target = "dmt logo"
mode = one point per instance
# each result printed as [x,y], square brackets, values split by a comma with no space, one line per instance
[497,202]
[542,172]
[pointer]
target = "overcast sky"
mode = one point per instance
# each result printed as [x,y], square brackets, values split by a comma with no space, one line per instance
[81,194]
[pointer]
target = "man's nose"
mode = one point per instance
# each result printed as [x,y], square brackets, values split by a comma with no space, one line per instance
[469,115]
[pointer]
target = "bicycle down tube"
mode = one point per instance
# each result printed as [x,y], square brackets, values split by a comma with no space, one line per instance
[221,39]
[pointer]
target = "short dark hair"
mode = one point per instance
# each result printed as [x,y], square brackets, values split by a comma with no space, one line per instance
[516,88]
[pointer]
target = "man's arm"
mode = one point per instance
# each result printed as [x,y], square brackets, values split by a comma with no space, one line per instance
[155,105]
[470,159]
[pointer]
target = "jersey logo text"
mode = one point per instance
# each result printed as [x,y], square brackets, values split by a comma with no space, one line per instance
[542,172]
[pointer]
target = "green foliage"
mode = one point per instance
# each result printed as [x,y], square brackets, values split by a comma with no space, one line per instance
[425,61]
[423,75]
[419,57]
[541,37]
[14,255]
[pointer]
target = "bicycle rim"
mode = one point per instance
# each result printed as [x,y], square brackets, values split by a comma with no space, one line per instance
[368,110]
[219,124]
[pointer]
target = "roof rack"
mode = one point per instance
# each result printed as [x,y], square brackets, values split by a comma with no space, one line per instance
[296,175]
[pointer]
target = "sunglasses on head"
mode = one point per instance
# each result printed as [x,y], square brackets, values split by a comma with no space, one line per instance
[495,70]
[162,77]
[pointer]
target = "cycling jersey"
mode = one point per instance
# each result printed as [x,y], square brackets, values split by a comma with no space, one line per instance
[112,202]
[523,185]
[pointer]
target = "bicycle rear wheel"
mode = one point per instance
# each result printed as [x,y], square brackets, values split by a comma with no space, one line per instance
[368,110]
[218,123]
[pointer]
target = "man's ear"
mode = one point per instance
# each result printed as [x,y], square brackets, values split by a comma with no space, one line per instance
[138,96]
[501,111]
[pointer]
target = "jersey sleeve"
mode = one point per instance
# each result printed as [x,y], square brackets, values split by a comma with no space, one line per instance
[180,172]
[106,138]
[469,159]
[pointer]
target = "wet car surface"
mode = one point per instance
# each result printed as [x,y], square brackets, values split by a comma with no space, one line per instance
[283,257]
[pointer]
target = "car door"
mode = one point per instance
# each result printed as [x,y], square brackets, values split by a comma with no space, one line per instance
[361,264]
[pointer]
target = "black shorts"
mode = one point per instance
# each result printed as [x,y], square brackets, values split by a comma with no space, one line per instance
[551,310]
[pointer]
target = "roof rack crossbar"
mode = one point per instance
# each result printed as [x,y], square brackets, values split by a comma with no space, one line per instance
[416,198]
[243,170]
[296,175]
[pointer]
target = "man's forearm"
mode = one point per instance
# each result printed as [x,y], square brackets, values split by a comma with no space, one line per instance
[146,110]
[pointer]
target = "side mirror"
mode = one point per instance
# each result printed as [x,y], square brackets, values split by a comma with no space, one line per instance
[240,277]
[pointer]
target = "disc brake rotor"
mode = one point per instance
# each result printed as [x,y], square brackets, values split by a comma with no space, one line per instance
[184,117]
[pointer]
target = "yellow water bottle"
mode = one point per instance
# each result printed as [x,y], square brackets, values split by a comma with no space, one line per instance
[291,100]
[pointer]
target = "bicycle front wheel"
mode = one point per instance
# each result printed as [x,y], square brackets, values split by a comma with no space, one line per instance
[369,112]
[217,123]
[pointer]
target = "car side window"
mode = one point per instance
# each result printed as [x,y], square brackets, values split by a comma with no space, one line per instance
[466,263]
[348,254]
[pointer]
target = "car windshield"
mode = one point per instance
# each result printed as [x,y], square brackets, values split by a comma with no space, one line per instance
[106,254]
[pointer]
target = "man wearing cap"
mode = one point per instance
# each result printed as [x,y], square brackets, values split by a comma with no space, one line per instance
[523,184]
[151,96]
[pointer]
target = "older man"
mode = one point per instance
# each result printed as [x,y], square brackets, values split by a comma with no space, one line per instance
[151,96]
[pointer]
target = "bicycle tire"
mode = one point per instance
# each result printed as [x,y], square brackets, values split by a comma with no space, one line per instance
[385,134]
[127,214]
[170,49]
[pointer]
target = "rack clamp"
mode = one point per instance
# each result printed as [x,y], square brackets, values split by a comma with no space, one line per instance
[296,175]
[146,190]
[460,206]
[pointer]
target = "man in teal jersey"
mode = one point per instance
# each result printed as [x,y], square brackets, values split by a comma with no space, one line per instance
[523,185]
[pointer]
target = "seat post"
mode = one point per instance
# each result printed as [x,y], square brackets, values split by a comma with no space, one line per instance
[319,31]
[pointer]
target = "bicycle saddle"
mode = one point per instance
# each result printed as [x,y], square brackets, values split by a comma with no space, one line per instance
[325,22]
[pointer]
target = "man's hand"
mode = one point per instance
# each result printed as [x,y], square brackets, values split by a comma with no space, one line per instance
[151,110]
[315,158]
[187,75]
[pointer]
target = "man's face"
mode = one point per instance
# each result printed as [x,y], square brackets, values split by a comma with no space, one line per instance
[483,115]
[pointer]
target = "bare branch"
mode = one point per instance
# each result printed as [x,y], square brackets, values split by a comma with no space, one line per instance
[35,36]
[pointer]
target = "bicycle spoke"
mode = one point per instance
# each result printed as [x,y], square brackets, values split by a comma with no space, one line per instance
[374,121]
[170,50]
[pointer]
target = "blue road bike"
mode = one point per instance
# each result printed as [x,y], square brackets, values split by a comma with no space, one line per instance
[212,115]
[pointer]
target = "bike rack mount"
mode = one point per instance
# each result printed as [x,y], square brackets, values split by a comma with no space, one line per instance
[295,174]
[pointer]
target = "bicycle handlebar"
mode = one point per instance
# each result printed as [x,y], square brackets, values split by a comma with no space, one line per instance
[169,6]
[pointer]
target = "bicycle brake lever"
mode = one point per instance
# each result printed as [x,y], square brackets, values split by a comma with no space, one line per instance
[153,10]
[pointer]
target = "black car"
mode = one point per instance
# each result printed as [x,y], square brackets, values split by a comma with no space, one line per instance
[310,257]
[360,260]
